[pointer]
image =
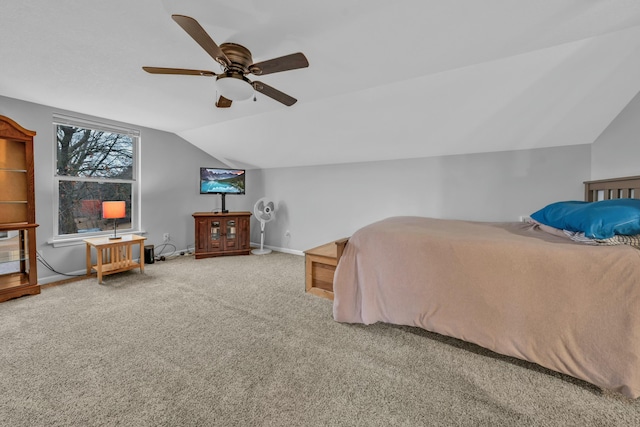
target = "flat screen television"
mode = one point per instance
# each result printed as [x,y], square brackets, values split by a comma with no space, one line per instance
[222,181]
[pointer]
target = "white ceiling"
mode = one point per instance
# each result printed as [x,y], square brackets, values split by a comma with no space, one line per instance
[387,79]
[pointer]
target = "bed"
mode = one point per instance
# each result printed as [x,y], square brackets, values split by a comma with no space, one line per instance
[522,289]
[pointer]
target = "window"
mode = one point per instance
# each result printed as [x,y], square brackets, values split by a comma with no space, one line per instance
[94,163]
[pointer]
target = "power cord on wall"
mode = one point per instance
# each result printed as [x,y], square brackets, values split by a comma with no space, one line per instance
[173,254]
[160,257]
[50,267]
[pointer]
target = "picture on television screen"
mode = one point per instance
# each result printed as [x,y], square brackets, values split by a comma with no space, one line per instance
[221,181]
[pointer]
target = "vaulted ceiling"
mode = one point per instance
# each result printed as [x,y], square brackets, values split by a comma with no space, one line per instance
[387,79]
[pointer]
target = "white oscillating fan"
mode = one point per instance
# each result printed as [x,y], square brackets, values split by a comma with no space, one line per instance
[265,211]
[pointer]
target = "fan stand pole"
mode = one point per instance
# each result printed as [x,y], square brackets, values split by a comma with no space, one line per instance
[261,251]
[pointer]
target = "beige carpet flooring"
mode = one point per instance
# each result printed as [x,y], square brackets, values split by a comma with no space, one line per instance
[235,341]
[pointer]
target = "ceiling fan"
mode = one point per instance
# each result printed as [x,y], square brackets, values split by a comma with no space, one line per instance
[236,62]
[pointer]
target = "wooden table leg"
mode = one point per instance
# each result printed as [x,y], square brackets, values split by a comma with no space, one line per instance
[88,259]
[141,257]
[99,257]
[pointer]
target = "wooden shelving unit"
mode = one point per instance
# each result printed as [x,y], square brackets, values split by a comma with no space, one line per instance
[18,263]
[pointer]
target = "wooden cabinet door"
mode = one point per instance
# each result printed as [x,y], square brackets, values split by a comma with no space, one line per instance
[216,235]
[243,232]
[230,241]
[202,235]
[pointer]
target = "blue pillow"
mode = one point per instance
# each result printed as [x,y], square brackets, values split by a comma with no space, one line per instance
[598,220]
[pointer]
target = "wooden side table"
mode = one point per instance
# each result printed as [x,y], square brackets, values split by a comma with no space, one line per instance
[114,256]
[320,266]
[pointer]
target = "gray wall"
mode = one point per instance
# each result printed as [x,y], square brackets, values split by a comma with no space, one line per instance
[318,204]
[617,151]
[322,203]
[168,184]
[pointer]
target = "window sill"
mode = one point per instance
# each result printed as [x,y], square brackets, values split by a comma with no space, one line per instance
[61,242]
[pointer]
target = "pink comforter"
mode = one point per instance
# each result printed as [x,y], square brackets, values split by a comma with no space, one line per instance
[509,287]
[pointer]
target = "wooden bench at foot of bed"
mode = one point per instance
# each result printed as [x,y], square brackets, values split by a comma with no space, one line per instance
[320,266]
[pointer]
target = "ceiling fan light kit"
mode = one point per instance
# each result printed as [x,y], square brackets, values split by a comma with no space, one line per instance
[234,87]
[236,61]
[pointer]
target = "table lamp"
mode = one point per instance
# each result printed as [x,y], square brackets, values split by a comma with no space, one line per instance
[113,210]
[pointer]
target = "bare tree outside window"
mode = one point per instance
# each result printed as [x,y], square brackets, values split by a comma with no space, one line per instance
[92,166]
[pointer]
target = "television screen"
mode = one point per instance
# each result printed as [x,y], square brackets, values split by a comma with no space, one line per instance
[221,181]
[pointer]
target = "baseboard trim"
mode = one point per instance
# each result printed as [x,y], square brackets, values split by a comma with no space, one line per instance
[74,275]
[277,249]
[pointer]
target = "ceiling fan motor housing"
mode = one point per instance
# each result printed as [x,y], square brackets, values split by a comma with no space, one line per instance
[232,84]
[239,56]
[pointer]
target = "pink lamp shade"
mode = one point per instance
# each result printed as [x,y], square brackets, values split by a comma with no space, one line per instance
[113,210]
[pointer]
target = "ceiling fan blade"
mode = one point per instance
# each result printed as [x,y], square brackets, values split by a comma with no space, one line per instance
[274,93]
[223,102]
[195,30]
[182,71]
[283,63]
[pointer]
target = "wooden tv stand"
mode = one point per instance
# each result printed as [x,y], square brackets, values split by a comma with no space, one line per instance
[219,234]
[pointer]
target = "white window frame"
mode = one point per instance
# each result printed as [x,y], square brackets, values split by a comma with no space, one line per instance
[75,239]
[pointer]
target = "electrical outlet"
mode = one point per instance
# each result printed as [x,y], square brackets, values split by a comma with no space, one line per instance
[165,237]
